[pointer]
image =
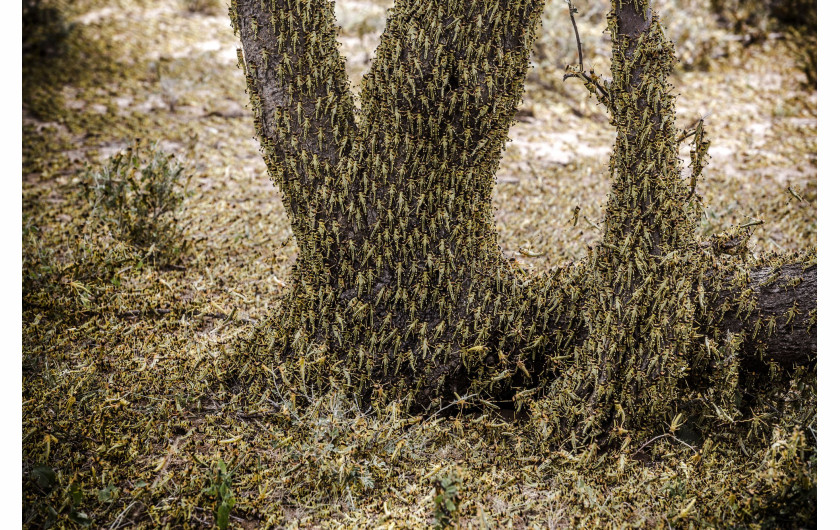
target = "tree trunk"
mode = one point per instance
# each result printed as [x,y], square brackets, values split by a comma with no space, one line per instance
[400,275]
[400,290]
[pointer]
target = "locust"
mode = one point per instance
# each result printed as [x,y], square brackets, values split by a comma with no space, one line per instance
[795,195]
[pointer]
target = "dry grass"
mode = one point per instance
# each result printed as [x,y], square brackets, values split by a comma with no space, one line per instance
[125,403]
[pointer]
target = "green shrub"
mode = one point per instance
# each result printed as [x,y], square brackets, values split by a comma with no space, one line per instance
[138,194]
[220,489]
[447,500]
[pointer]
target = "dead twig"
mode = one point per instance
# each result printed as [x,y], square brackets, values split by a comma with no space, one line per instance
[666,435]
[581,73]
[137,312]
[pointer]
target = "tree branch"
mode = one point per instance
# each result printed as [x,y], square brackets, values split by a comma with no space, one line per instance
[785,295]
[589,81]
[303,110]
[443,89]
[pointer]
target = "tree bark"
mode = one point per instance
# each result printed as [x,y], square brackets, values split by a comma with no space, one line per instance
[399,269]
[401,291]
[785,294]
[779,317]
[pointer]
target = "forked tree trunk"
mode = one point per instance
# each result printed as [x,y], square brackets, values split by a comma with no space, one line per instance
[401,290]
[400,273]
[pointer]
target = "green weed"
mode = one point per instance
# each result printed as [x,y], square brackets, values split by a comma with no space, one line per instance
[220,489]
[138,195]
[447,500]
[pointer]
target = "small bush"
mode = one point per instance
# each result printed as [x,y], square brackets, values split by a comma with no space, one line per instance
[756,19]
[44,30]
[205,7]
[795,13]
[751,16]
[139,196]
